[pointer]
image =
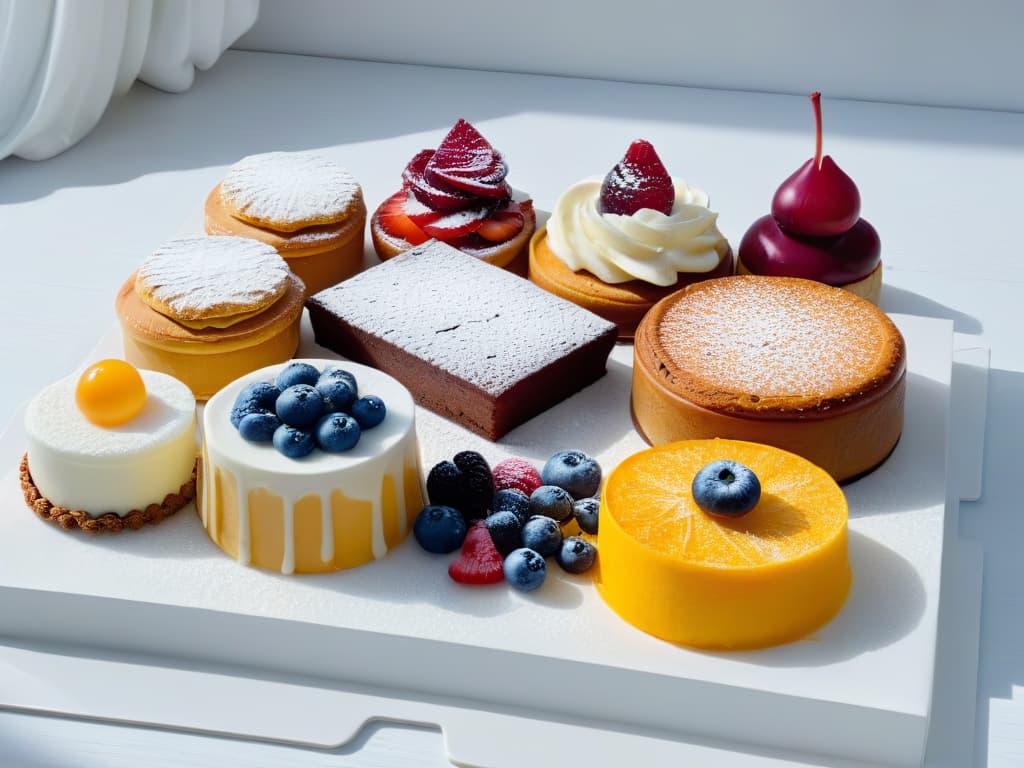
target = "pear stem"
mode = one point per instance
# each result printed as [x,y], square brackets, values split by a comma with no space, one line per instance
[816,101]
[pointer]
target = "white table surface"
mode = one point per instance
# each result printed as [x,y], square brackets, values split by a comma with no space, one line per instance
[943,188]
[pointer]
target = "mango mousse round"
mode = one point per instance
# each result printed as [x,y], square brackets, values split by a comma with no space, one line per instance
[722,580]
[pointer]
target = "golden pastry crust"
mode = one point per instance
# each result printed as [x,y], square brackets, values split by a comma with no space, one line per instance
[139,319]
[321,256]
[624,304]
[76,519]
[510,255]
[289,191]
[771,347]
[217,279]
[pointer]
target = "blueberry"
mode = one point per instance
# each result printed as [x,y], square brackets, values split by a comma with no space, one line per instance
[439,529]
[255,397]
[337,394]
[258,427]
[726,488]
[300,406]
[341,373]
[542,534]
[506,530]
[525,569]
[293,443]
[512,500]
[369,411]
[576,555]
[297,373]
[337,432]
[574,471]
[586,511]
[552,501]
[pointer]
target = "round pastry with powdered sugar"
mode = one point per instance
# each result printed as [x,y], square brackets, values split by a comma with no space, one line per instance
[793,363]
[212,281]
[288,191]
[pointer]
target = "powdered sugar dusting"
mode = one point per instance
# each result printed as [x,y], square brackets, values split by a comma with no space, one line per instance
[217,276]
[479,323]
[773,338]
[289,188]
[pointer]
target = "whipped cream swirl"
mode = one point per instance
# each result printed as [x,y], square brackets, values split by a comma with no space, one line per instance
[647,245]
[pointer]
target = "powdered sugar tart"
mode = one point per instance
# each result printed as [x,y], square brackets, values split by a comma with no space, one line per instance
[306,207]
[211,281]
[288,191]
[788,362]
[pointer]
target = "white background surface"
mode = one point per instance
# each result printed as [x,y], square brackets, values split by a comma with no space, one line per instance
[940,52]
[941,186]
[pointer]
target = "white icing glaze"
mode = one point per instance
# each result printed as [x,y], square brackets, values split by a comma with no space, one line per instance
[384,450]
[648,245]
[481,324]
[215,276]
[79,465]
[289,188]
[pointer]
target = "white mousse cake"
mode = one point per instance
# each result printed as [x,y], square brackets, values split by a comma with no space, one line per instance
[321,512]
[77,464]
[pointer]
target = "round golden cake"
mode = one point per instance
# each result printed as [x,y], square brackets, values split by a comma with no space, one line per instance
[624,304]
[783,361]
[771,576]
[306,206]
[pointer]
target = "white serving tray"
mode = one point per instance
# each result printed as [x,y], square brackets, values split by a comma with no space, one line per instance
[398,640]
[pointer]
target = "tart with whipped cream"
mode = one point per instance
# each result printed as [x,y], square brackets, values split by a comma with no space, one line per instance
[307,207]
[618,247]
[207,310]
[457,194]
[110,449]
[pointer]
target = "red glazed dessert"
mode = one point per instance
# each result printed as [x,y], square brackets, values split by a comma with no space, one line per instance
[815,230]
[457,194]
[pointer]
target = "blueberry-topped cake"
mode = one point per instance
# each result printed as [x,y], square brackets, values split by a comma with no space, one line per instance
[477,345]
[310,466]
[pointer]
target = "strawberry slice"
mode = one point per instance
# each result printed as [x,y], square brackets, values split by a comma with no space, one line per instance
[479,561]
[484,187]
[419,213]
[464,152]
[393,220]
[638,181]
[502,226]
[437,195]
[457,223]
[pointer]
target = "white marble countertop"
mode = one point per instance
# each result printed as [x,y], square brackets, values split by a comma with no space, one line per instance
[940,185]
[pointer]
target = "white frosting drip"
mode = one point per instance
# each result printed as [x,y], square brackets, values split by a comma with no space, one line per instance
[79,465]
[385,450]
[647,245]
[289,188]
[215,276]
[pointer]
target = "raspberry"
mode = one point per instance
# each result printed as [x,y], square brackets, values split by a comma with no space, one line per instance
[518,474]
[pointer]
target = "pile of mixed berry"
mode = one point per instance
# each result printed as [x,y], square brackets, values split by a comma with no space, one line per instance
[508,520]
[304,409]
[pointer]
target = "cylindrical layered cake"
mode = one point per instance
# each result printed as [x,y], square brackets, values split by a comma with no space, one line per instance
[79,465]
[678,572]
[325,511]
[789,362]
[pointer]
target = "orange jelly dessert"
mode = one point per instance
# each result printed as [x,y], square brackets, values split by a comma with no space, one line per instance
[770,576]
[110,392]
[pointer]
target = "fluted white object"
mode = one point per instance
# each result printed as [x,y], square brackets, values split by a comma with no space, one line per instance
[61,61]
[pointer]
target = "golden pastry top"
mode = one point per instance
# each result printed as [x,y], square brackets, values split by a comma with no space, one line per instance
[771,347]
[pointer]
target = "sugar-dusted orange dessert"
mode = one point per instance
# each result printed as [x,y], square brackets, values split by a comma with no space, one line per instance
[770,576]
[617,247]
[457,194]
[307,207]
[789,362]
